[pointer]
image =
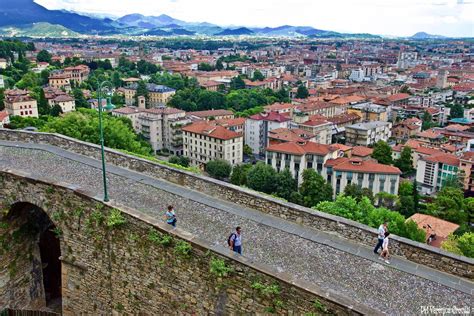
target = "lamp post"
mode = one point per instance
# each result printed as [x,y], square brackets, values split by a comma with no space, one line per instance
[109,106]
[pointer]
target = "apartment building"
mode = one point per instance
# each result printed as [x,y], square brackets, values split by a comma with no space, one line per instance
[158,95]
[300,155]
[364,134]
[407,128]
[316,125]
[369,112]
[19,103]
[377,177]
[257,127]
[55,96]
[205,141]
[60,81]
[432,171]
[161,127]
[78,73]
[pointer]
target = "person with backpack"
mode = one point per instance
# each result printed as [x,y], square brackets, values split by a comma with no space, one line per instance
[380,237]
[235,241]
[171,216]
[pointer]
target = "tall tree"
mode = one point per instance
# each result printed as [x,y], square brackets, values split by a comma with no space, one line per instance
[142,90]
[257,75]
[237,83]
[427,121]
[302,92]
[382,153]
[285,184]
[43,106]
[44,56]
[456,111]
[405,162]
[219,65]
[262,178]
[219,169]
[314,188]
[2,96]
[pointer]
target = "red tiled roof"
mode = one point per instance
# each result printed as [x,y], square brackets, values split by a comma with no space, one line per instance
[164,110]
[301,148]
[289,135]
[344,118]
[429,133]
[270,116]
[210,113]
[365,166]
[3,115]
[279,106]
[362,151]
[231,122]
[127,110]
[398,97]
[211,130]
[439,227]
[444,158]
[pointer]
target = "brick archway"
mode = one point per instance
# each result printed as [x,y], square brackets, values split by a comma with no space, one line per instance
[32,250]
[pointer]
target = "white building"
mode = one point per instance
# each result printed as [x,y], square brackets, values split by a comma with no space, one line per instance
[432,171]
[364,173]
[257,127]
[357,75]
[65,101]
[205,141]
[364,134]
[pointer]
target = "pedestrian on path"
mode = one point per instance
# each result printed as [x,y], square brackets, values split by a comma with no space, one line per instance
[385,253]
[380,237]
[171,216]
[235,240]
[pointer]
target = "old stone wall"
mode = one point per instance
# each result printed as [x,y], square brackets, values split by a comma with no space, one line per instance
[411,250]
[117,260]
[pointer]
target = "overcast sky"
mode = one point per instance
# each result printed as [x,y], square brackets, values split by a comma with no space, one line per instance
[386,17]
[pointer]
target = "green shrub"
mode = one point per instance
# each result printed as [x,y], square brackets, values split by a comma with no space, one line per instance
[183,248]
[115,219]
[219,268]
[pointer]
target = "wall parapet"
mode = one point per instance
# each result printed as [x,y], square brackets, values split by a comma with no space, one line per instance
[355,232]
[101,273]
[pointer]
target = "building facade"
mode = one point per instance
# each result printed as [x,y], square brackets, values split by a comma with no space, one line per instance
[204,141]
[433,171]
[19,103]
[364,134]
[257,127]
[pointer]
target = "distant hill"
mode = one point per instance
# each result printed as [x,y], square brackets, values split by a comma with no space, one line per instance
[237,31]
[16,13]
[27,17]
[41,29]
[424,35]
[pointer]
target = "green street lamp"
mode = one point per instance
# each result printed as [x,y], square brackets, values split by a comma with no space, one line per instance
[108,107]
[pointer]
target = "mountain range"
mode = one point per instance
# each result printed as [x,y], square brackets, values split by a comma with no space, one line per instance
[27,18]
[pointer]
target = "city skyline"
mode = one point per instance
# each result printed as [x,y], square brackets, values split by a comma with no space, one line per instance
[402,18]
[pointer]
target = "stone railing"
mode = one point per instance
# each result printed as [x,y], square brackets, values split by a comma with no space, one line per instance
[355,232]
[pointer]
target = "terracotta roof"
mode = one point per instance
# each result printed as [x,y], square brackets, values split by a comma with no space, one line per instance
[456,127]
[430,133]
[127,110]
[63,98]
[362,151]
[231,122]
[344,118]
[365,166]
[289,135]
[211,130]
[341,147]
[3,115]
[468,155]
[348,99]
[398,97]
[270,116]
[210,113]
[163,110]
[439,227]
[279,106]
[444,158]
[301,148]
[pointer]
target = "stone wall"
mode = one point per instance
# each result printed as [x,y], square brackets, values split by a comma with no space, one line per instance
[117,260]
[411,250]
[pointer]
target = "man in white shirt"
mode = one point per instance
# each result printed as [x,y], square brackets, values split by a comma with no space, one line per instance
[380,237]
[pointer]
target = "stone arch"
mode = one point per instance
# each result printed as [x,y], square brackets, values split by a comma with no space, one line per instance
[30,268]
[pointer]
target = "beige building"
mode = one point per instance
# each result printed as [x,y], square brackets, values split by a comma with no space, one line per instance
[205,141]
[60,81]
[78,73]
[315,125]
[212,115]
[19,103]
[364,134]
[66,102]
[158,95]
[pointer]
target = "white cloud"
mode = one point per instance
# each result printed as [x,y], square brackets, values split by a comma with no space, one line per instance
[391,17]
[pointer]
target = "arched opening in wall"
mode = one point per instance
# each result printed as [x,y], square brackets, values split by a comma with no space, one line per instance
[36,252]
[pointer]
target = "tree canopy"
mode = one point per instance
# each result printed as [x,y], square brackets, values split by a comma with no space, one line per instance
[314,188]
[219,169]
[382,153]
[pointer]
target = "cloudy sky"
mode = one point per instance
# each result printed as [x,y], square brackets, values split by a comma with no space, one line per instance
[386,17]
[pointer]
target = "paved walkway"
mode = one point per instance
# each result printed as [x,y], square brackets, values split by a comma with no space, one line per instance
[331,262]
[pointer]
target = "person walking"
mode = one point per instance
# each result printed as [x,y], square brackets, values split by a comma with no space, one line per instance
[385,254]
[171,216]
[235,240]
[380,237]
